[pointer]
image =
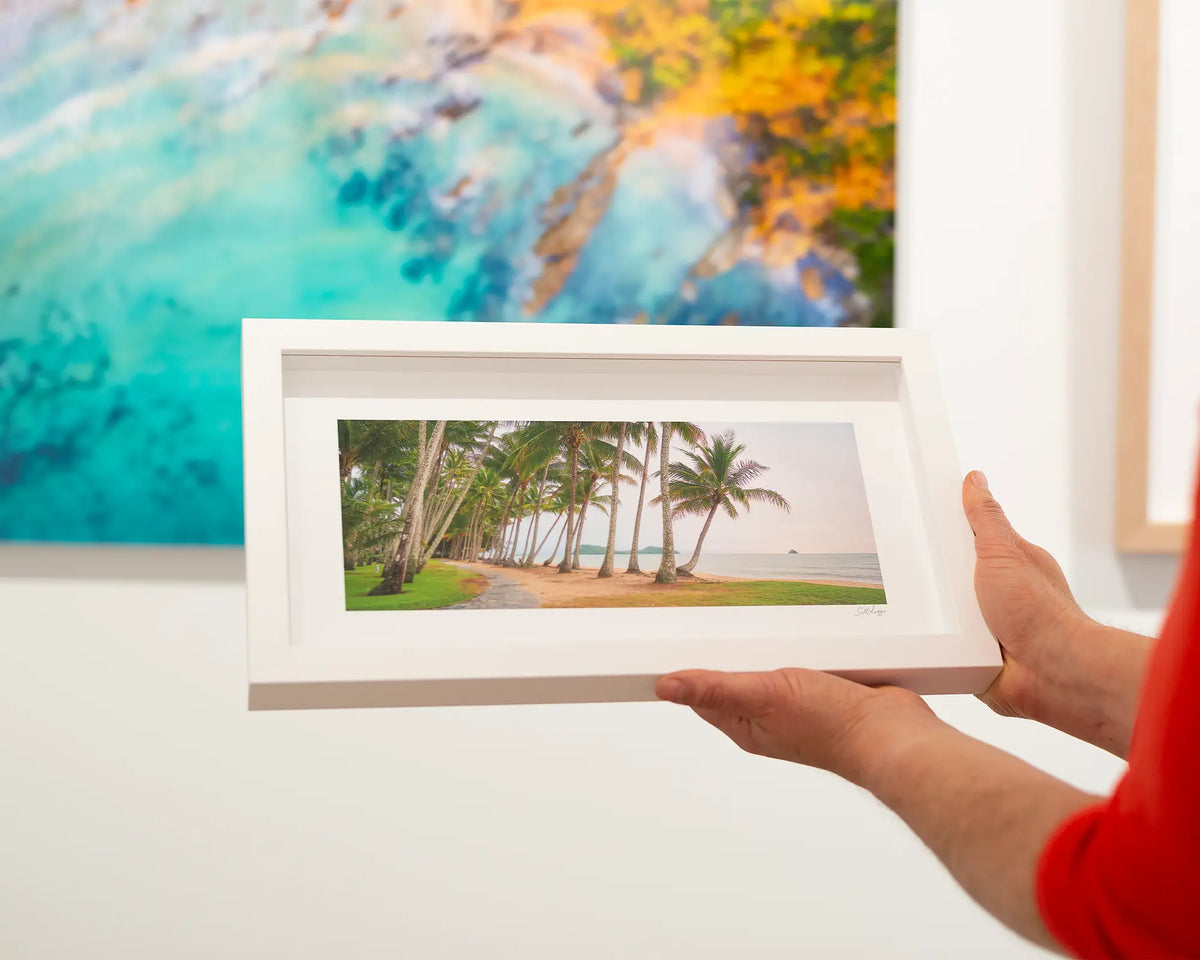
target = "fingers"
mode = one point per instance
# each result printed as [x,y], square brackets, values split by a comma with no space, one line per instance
[711,692]
[986,516]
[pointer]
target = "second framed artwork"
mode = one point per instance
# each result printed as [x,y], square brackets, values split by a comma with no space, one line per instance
[513,513]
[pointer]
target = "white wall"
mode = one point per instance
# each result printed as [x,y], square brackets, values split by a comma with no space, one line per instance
[144,813]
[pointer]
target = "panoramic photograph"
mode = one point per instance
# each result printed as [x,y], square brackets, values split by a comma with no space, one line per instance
[490,515]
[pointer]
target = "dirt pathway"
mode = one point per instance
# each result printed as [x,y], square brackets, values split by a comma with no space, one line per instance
[503,593]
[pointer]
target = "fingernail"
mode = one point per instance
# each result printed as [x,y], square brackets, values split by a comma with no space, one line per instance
[671,689]
[979,479]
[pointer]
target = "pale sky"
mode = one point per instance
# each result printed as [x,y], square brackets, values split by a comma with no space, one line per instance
[815,466]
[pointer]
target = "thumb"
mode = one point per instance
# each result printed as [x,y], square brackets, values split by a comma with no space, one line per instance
[986,516]
[744,694]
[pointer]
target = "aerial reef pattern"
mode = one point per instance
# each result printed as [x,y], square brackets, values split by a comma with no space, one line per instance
[168,167]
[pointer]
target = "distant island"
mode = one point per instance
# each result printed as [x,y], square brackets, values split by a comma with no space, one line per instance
[794,551]
[593,549]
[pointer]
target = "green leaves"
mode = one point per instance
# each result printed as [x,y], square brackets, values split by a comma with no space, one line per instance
[716,476]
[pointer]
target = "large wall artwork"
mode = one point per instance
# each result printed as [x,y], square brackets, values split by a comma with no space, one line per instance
[170,166]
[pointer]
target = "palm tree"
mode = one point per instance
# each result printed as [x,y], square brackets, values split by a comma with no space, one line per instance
[689,433]
[500,539]
[556,505]
[716,479]
[524,500]
[591,472]
[525,463]
[395,572]
[651,444]
[549,561]
[547,438]
[624,430]
[574,435]
[363,443]
[506,461]
[488,489]
[383,455]
[451,510]
[537,547]
[543,488]
[666,567]
[368,521]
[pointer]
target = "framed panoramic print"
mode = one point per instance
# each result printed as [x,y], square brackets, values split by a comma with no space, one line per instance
[501,513]
[168,167]
[1159,420]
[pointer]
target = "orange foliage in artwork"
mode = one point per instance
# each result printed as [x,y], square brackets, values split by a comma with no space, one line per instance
[810,85]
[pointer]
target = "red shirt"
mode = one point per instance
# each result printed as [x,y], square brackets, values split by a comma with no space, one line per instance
[1122,878]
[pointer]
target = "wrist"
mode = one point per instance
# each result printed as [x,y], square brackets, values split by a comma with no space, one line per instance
[1037,685]
[1092,687]
[881,741]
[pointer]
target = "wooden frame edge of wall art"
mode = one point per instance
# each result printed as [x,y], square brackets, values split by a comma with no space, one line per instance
[1135,532]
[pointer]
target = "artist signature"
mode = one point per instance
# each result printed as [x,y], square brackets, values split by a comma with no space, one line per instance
[870,611]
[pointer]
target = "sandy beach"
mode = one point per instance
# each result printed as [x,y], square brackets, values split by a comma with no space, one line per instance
[583,588]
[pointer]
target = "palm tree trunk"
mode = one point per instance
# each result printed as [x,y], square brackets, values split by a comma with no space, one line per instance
[435,479]
[502,529]
[529,532]
[538,549]
[401,575]
[511,554]
[691,564]
[565,566]
[390,552]
[444,521]
[417,543]
[666,569]
[465,546]
[587,499]
[527,560]
[396,568]
[549,561]
[610,550]
[462,494]
[474,543]
[637,521]
[396,577]
[480,530]
[510,535]
[471,552]
[413,563]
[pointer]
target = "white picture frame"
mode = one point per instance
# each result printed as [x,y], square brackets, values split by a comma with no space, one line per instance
[305,650]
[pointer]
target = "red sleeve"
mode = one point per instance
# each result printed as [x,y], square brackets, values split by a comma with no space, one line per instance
[1122,878]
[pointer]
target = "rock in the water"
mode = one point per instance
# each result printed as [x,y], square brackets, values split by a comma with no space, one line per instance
[355,189]
[397,217]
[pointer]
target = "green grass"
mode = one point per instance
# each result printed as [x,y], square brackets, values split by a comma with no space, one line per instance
[438,585]
[746,593]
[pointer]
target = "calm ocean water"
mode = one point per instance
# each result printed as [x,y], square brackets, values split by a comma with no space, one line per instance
[860,567]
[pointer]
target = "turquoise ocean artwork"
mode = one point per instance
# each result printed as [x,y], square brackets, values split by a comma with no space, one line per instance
[168,167]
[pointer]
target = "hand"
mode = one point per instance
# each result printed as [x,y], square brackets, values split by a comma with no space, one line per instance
[1025,600]
[1060,666]
[803,716]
